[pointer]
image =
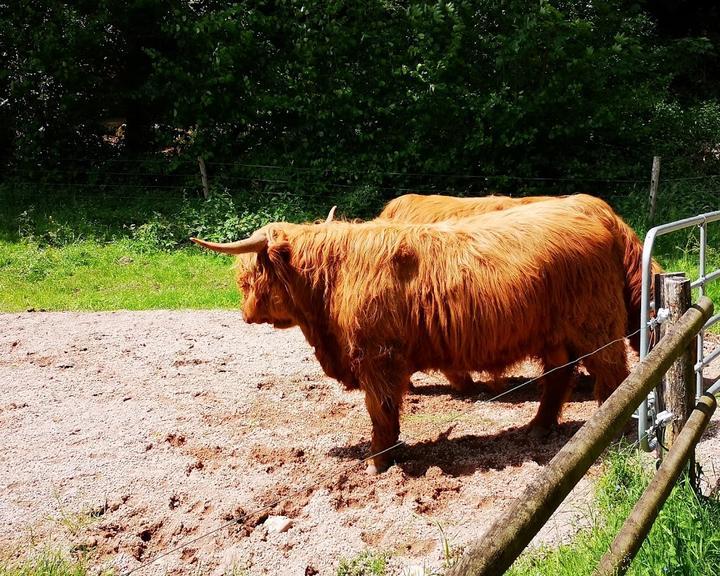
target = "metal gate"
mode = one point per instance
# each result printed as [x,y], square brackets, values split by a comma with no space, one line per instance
[646,411]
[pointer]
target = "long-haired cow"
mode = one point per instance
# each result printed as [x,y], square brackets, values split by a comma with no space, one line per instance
[423,209]
[382,300]
[419,209]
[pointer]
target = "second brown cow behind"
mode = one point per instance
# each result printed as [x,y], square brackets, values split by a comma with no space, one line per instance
[417,208]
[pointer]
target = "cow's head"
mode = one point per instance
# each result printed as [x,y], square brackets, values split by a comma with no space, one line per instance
[266,299]
[262,275]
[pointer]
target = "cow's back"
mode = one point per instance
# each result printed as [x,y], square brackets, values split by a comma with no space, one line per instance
[488,290]
[419,209]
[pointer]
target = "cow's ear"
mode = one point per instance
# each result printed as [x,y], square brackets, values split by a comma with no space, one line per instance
[406,261]
[279,253]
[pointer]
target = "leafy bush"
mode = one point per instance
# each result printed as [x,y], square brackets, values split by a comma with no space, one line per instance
[361,202]
[220,218]
[355,92]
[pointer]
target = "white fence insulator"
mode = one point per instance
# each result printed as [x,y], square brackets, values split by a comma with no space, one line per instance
[664,418]
[660,316]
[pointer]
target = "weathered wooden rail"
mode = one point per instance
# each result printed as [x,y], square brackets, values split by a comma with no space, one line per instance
[628,541]
[514,530]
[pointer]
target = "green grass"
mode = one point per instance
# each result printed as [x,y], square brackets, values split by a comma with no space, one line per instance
[91,276]
[366,564]
[687,261]
[61,252]
[45,564]
[684,541]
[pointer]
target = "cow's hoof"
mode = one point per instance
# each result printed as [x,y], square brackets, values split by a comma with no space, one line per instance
[375,468]
[539,432]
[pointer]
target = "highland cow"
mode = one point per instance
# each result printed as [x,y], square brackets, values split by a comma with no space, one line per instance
[381,300]
[416,208]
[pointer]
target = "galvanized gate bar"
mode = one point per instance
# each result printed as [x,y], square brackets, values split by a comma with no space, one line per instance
[701,221]
[707,359]
[713,320]
[715,388]
[700,282]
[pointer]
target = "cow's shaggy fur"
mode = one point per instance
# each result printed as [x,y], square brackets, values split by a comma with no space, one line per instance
[416,208]
[382,300]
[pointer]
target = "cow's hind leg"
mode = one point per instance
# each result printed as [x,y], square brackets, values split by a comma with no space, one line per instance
[557,386]
[609,367]
[460,381]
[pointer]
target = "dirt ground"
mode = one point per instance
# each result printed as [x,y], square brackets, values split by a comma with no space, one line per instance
[124,435]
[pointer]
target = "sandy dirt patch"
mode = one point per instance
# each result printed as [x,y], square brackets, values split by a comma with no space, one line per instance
[125,434]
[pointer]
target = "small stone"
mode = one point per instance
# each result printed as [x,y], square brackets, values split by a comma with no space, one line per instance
[278,524]
[415,570]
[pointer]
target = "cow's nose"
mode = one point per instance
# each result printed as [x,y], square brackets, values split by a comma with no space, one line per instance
[249,318]
[254,318]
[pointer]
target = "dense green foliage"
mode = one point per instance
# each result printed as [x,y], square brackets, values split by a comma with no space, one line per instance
[357,94]
[684,541]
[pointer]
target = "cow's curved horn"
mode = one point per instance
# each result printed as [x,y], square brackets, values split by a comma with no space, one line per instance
[331,214]
[255,243]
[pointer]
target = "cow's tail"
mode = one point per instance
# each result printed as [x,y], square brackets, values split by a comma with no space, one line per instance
[633,251]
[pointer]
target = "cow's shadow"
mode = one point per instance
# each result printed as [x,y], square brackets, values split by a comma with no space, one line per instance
[464,455]
[513,389]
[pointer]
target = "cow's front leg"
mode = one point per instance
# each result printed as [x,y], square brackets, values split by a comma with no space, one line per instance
[385,416]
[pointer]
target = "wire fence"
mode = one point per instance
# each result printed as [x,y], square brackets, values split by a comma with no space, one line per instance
[128,178]
[337,473]
[113,199]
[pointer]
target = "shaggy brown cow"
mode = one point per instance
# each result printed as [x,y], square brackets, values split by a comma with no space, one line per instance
[419,209]
[382,300]
[422,209]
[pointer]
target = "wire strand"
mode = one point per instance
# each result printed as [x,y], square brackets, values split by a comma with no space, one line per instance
[335,473]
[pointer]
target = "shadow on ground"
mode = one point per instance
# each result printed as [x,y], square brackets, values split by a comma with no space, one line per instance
[464,455]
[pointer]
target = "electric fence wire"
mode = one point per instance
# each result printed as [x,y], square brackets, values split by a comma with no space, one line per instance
[343,470]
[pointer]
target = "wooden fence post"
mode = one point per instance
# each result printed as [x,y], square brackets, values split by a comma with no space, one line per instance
[679,381]
[659,296]
[659,300]
[203,176]
[654,181]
